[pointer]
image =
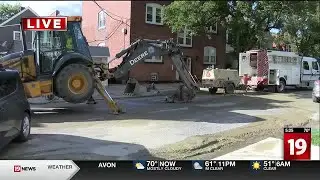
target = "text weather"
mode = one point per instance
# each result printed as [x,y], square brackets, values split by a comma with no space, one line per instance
[215,165]
[162,165]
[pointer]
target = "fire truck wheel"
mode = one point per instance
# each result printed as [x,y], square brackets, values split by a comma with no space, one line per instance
[281,87]
[213,90]
[229,89]
[259,88]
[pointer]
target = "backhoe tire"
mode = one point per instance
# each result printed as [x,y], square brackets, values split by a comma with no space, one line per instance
[74,83]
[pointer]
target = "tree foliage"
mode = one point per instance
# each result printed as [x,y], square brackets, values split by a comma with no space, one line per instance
[248,22]
[8,10]
[302,29]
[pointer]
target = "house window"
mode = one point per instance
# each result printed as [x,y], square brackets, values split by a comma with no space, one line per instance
[101,20]
[154,59]
[209,56]
[212,29]
[17,35]
[184,38]
[154,14]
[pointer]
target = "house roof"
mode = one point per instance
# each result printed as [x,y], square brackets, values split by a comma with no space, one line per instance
[16,15]
[98,51]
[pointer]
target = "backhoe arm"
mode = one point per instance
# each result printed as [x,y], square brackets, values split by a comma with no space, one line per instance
[145,49]
[136,53]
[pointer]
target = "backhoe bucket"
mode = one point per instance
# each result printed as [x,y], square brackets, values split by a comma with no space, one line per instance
[132,87]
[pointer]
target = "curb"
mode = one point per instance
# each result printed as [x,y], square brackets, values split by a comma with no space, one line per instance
[163,93]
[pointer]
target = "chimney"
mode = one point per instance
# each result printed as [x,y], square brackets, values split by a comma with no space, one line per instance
[55,13]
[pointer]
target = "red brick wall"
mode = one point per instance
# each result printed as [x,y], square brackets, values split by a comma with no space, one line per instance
[166,73]
[139,29]
[112,35]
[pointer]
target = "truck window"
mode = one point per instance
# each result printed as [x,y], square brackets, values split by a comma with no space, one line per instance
[7,86]
[305,65]
[315,65]
[243,58]
[253,60]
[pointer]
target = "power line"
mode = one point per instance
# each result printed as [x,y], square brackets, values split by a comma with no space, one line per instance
[109,35]
[136,36]
[114,31]
[107,13]
[96,40]
[119,20]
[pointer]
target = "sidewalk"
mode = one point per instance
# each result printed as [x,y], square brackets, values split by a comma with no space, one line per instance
[267,149]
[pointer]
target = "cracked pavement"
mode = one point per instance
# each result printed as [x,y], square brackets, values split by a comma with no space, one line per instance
[210,126]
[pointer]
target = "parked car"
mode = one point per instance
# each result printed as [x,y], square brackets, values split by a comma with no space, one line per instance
[316,91]
[15,113]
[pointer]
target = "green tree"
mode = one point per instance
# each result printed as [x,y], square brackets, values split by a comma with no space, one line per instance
[302,29]
[8,10]
[248,22]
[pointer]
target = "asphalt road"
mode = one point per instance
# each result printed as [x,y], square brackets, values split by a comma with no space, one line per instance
[207,127]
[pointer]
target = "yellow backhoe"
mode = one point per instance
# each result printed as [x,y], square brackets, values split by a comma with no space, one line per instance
[60,64]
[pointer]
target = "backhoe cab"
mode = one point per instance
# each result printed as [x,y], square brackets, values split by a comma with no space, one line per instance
[59,64]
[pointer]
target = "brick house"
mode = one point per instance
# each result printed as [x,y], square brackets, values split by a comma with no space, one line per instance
[142,19]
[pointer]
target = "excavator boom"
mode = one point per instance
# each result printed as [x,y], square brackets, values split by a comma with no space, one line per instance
[143,49]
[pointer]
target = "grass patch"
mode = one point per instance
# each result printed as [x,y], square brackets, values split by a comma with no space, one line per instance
[315,137]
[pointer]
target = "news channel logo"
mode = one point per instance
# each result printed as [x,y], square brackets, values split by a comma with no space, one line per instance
[197,165]
[139,165]
[19,168]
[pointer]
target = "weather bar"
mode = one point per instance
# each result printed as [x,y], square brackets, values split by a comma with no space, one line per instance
[155,165]
[213,165]
[270,165]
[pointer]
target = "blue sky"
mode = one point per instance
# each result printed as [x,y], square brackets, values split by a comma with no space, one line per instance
[274,30]
[44,8]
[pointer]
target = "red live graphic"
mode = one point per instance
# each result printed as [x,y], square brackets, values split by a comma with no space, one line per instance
[44,23]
